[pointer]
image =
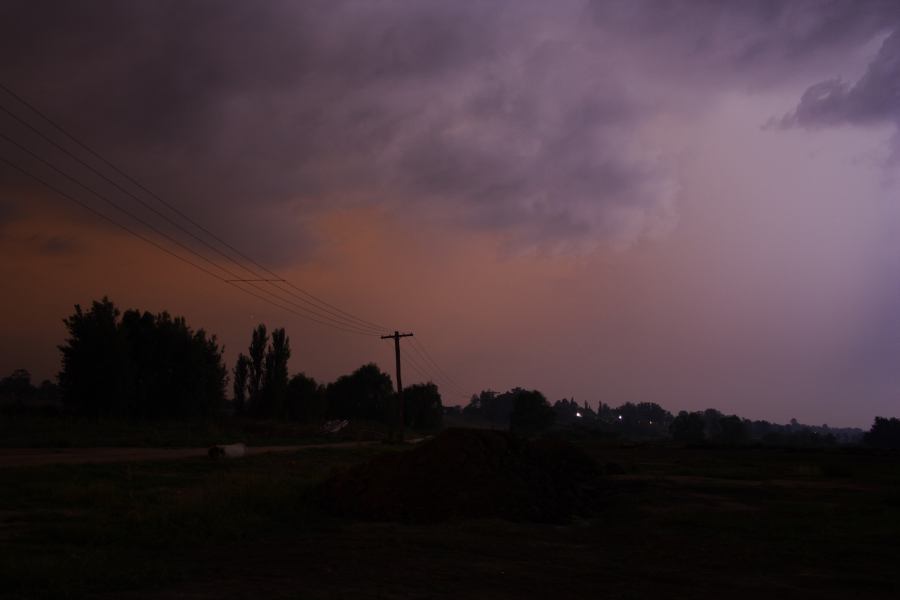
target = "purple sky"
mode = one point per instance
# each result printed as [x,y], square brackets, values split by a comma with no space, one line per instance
[692,203]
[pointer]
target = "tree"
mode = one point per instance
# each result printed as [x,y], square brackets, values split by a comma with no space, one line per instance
[241,373]
[16,391]
[275,381]
[364,394]
[688,427]
[258,343]
[17,388]
[732,431]
[531,412]
[567,411]
[885,433]
[476,407]
[96,373]
[422,407]
[305,399]
[140,365]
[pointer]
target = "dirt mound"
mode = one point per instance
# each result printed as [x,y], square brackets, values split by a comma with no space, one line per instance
[469,473]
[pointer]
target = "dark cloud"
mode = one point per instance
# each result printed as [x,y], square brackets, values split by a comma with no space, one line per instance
[8,209]
[54,245]
[874,98]
[514,116]
[754,43]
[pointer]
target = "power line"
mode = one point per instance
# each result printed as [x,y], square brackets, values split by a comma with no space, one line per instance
[433,376]
[324,312]
[429,376]
[235,278]
[306,298]
[420,347]
[155,244]
[314,309]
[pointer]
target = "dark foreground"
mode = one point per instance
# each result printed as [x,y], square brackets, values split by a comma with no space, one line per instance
[678,522]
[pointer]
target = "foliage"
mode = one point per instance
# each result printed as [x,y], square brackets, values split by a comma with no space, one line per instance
[732,431]
[241,375]
[256,370]
[140,365]
[422,407]
[305,399]
[275,381]
[568,412]
[531,412]
[19,395]
[362,394]
[885,433]
[491,407]
[261,379]
[688,427]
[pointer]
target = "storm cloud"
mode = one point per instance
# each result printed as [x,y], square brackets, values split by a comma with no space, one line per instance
[604,156]
[874,98]
[511,116]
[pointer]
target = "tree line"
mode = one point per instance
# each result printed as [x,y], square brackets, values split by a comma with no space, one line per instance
[529,410]
[139,365]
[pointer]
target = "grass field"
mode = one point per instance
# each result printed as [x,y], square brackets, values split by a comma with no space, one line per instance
[679,522]
[31,431]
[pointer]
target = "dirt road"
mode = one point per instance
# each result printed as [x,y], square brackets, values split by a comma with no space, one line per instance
[33,457]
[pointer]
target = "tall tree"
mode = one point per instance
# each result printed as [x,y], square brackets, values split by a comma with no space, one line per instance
[139,365]
[305,399]
[688,427]
[531,412]
[241,373]
[885,433]
[275,382]
[422,407]
[96,370]
[257,351]
[364,394]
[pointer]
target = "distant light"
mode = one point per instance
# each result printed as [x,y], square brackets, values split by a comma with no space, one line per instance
[620,417]
[651,422]
[578,414]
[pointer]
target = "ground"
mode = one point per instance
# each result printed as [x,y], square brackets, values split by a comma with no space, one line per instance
[677,522]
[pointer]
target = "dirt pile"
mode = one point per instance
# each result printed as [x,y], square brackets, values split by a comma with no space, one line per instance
[469,473]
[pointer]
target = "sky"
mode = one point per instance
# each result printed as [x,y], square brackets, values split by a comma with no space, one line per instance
[693,203]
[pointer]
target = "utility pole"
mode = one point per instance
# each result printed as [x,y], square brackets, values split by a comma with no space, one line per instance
[395,431]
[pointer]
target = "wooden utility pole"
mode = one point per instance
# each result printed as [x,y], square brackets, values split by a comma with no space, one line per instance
[395,431]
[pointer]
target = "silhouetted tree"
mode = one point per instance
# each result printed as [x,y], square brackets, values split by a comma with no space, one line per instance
[712,420]
[688,427]
[364,394]
[17,388]
[275,381]
[531,412]
[257,351]
[732,431]
[19,395]
[422,407]
[305,399]
[491,407]
[475,409]
[141,365]
[96,376]
[567,411]
[177,372]
[885,433]
[241,374]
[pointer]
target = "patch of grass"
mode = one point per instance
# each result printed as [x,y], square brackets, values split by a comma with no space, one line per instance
[79,528]
[34,431]
[741,523]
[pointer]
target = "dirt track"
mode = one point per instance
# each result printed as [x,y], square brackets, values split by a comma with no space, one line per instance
[34,457]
